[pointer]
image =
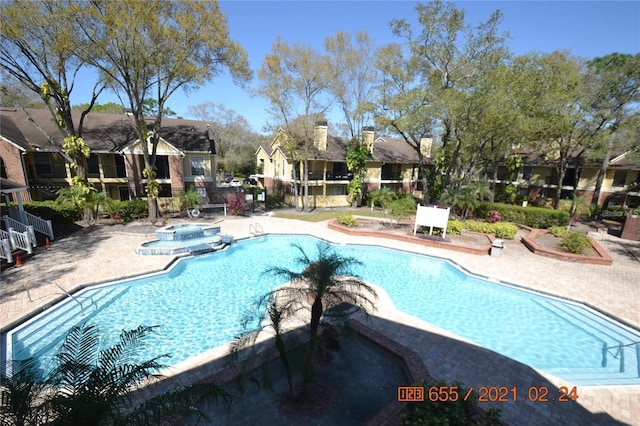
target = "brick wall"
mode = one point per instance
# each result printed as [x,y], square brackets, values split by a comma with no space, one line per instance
[12,158]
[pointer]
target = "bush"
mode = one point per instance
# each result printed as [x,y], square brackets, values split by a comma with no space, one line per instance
[536,217]
[494,216]
[455,227]
[558,231]
[401,208]
[128,210]
[347,220]
[505,231]
[53,211]
[272,202]
[235,206]
[575,242]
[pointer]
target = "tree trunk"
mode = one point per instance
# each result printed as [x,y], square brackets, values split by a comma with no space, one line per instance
[306,185]
[316,314]
[285,362]
[493,185]
[601,174]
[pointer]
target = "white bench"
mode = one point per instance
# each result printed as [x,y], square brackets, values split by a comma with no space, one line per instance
[216,206]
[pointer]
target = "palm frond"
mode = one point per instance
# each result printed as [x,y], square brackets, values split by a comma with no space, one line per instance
[176,404]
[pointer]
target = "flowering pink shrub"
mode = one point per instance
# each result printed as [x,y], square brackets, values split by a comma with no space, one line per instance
[494,216]
[235,206]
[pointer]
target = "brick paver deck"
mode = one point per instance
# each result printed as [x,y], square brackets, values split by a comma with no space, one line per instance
[107,253]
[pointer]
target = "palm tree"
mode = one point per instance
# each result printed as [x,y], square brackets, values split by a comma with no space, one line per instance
[19,395]
[381,196]
[328,284]
[92,386]
[274,322]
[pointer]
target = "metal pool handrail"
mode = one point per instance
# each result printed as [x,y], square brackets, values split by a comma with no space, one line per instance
[620,351]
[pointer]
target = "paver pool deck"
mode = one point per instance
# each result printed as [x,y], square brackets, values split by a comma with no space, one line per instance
[106,253]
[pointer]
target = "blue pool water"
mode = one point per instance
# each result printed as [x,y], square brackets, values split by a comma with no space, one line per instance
[200,301]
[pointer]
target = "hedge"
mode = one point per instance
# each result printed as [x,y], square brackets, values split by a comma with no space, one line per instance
[499,230]
[53,211]
[536,217]
[128,210]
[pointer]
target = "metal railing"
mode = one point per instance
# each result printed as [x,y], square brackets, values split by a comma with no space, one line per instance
[21,227]
[619,352]
[256,230]
[20,240]
[39,224]
[5,249]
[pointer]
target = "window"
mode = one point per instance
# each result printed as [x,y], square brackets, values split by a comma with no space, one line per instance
[3,169]
[197,166]
[526,173]
[165,190]
[121,169]
[123,192]
[43,163]
[569,177]
[620,178]
[202,192]
[92,165]
[337,190]
[339,171]
[162,167]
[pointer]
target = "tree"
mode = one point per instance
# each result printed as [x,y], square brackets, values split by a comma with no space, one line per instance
[294,80]
[357,154]
[14,93]
[614,81]
[274,322]
[39,41]
[236,143]
[93,386]
[554,117]
[329,284]
[449,58]
[403,104]
[352,77]
[149,50]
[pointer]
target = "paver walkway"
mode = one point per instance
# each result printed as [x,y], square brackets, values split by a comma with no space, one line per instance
[107,253]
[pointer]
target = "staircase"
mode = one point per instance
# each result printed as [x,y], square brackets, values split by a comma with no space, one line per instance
[21,237]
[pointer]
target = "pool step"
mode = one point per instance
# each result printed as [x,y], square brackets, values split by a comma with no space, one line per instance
[580,317]
[608,333]
[67,311]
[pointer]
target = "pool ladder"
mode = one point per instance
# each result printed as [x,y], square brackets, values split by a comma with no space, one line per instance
[256,230]
[620,352]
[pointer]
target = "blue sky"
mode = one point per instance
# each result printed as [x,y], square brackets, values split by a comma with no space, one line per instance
[585,28]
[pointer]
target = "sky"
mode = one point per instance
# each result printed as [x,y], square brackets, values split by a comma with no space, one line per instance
[585,28]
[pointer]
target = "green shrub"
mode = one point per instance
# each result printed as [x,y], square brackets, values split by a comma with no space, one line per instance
[129,210]
[455,227]
[54,211]
[272,202]
[575,242]
[536,217]
[505,231]
[558,231]
[347,220]
[401,208]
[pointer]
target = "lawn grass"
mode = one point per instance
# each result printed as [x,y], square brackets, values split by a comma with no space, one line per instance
[320,215]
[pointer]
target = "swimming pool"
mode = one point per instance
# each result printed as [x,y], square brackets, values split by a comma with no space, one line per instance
[200,301]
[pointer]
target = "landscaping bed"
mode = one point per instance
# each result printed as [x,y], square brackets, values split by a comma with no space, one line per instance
[466,242]
[543,243]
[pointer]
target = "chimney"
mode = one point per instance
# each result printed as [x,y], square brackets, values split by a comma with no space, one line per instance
[425,146]
[320,136]
[367,137]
